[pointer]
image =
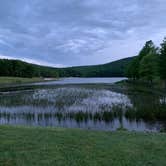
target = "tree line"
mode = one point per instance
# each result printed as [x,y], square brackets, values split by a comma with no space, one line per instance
[112,69]
[150,64]
[17,68]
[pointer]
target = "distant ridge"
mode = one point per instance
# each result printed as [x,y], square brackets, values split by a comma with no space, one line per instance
[19,68]
[112,69]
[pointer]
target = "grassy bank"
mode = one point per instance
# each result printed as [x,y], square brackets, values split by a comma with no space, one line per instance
[19,80]
[140,86]
[56,146]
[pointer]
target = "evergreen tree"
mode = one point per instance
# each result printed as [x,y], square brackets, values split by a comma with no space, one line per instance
[163,61]
[148,48]
[148,69]
[133,68]
[140,61]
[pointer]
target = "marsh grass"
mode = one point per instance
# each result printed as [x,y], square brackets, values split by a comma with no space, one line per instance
[82,105]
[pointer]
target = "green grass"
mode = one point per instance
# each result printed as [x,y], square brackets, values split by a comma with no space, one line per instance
[26,146]
[17,80]
[5,81]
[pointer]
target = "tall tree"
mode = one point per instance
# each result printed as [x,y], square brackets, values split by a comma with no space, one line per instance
[163,61]
[148,48]
[148,69]
[134,67]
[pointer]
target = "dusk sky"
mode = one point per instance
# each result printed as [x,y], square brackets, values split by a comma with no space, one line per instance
[78,32]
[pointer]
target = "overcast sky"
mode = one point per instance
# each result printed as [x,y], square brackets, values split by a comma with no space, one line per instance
[78,32]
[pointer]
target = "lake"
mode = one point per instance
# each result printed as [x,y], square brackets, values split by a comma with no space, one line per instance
[80,103]
[77,80]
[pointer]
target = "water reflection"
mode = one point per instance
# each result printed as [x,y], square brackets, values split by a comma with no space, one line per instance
[78,80]
[82,108]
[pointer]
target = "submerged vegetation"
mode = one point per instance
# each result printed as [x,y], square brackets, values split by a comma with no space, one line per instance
[106,107]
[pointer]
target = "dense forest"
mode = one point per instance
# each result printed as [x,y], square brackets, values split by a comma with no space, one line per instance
[113,69]
[17,68]
[150,64]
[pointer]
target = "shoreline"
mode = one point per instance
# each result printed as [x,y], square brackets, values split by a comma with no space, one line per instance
[16,81]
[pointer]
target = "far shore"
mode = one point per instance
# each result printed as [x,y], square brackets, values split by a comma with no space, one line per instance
[7,81]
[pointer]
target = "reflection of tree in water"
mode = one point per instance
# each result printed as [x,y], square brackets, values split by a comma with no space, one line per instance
[120,117]
[147,107]
[163,127]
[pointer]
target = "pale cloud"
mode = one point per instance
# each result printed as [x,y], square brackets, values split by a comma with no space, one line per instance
[72,32]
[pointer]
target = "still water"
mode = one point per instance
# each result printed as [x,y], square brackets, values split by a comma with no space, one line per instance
[77,80]
[80,106]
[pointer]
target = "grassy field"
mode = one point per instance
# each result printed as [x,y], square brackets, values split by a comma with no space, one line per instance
[25,146]
[19,80]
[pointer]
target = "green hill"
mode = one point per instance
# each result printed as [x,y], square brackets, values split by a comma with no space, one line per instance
[113,69]
[17,68]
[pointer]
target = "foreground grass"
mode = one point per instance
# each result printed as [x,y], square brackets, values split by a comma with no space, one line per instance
[56,146]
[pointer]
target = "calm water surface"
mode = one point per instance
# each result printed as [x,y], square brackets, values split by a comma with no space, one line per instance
[80,107]
[77,80]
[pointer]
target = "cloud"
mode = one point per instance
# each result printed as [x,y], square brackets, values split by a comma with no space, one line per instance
[72,32]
